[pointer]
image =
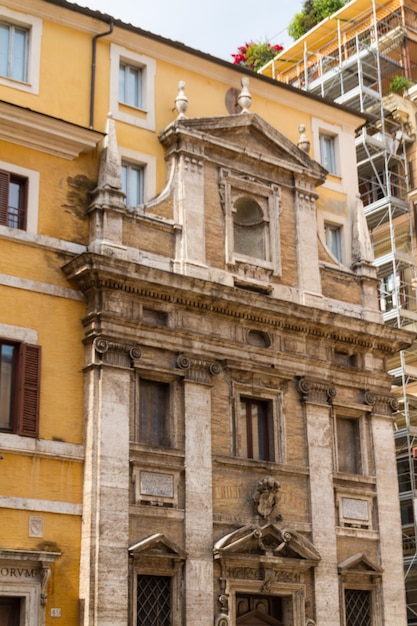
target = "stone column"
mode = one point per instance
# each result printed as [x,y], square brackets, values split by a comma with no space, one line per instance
[105,530]
[388,504]
[317,398]
[198,491]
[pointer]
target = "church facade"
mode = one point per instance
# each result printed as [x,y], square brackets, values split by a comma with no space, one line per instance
[210,434]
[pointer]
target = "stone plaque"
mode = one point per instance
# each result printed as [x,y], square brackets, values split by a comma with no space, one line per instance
[355,509]
[154,484]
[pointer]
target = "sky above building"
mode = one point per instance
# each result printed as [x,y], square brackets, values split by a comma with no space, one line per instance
[217,27]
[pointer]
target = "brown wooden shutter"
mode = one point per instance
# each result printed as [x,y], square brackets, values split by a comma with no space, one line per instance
[4,196]
[29,390]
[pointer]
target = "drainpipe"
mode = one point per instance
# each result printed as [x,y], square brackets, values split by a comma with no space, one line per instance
[93,70]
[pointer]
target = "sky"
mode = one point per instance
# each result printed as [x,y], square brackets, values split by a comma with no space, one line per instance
[215,26]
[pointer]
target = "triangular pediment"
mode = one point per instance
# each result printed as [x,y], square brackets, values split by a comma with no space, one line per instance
[251,137]
[157,545]
[268,540]
[359,563]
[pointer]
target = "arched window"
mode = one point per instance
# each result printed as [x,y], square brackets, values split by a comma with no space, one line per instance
[249,229]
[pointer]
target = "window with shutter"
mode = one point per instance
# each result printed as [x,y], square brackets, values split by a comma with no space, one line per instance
[13,200]
[19,388]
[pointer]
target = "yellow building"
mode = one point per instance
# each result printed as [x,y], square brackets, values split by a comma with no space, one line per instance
[192,356]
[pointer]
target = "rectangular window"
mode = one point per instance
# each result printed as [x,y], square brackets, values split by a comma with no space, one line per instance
[349,456]
[328,153]
[14,51]
[358,607]
[130,85]
[334,240]
[153,600]
[153,413]
[19,388]
[255,429]
[133,183]
[13,200]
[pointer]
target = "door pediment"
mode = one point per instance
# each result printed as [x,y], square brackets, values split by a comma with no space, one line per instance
[254,541]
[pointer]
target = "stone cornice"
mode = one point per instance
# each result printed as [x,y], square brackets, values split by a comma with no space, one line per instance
[44,133]
[95,272]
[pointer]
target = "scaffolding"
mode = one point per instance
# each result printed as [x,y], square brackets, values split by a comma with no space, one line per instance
[352,58]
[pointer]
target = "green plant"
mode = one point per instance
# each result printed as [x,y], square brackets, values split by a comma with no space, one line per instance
[313,12]
[399,84]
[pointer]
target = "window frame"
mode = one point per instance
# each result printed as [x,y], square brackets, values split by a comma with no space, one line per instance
[163,378]
[6,180]
[331,229]
[25,391]
[32,178]
[33,54]
[363,441]
[328,143]
[262,231]
[130,167]
[144,115]
[371,588]
[275,417]
[137,575]
[148,163]
[129,97]
[13,30]
[234,188]
[263,420]
[169,564]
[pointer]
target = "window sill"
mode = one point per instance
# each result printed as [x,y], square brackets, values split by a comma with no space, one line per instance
[343,477]
[251,464]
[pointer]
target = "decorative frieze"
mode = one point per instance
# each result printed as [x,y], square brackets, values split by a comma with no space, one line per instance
[316,392]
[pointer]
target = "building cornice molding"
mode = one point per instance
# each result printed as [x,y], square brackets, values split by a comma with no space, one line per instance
[45,133]
[93,272]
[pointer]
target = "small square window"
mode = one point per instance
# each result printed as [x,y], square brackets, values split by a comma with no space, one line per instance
[328,153]
[14,51]
[154,412]
[334,240]
[130,85]
[13,200]
[133,183]
[255,428]
[349,454]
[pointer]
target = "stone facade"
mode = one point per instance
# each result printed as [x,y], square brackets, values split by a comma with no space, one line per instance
[274,387]
[209,440]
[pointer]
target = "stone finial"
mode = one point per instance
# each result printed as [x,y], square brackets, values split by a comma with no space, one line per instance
[109,175]
[244,98]
[181,101]
[303,141]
